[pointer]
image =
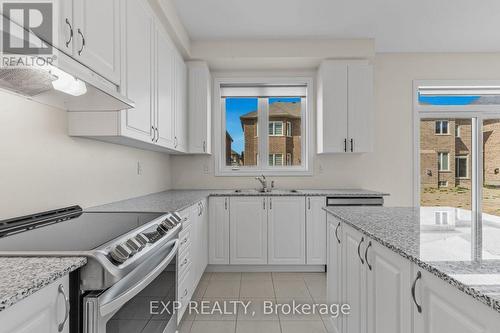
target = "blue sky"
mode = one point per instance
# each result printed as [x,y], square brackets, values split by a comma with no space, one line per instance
[447,100]
[238,106]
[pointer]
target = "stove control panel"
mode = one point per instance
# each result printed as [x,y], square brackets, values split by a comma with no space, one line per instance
[120,253]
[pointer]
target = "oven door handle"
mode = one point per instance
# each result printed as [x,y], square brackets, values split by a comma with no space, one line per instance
[134,282]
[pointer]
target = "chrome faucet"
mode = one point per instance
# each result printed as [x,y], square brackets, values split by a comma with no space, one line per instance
[263,181]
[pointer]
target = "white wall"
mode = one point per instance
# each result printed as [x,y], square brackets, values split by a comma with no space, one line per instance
[42,168]
[390,167]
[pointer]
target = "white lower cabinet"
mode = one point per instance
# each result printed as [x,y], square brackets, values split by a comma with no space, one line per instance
[353,280]
[218,231]
[334,272]
[248,230]
[445,309]
[315,231]
[287,230]
[377,284]
[388,296]
[44,311]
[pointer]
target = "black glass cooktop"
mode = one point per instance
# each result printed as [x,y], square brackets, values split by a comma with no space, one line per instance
[84,231]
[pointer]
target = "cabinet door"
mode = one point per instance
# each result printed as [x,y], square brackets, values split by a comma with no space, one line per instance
[199,107]
[334,269]
[165,116]
[204,236]
[360,101]
[446,309]
[218,231]
[353,280]
[388,294]
[286,219]
[332,107]
[41,312]
[138,33]
[97,36]
[180,103]
[316,231]
[248,230]
[66,29]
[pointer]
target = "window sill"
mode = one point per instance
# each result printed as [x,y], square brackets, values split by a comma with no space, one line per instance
[259,172]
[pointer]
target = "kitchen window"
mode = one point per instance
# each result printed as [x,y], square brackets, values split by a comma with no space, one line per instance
[443,161]
[470,189]
[247,107]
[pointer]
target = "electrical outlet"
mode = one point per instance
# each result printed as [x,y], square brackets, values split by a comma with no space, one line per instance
[139,168]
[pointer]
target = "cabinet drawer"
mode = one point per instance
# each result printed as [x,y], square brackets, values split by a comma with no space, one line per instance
[184,238]
[184,292]
[184,262]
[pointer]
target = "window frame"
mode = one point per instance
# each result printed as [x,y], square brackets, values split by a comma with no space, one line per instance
[440,161]
[466,158]
[306,168]
[441,122]
[274,122]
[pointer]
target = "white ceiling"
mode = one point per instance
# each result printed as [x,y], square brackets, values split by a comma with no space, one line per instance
[396,25]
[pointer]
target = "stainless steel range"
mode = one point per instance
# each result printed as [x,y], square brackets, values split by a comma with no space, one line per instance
[131,262]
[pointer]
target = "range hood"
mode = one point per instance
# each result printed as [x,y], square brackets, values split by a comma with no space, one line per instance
[65,83]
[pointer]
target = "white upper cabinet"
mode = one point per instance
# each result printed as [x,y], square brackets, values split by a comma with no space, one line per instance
[199,107]
[137,77]
[287,230]
[97,36]
[345,107]
[152,74]
[316,231]
[165,115]
[180,104]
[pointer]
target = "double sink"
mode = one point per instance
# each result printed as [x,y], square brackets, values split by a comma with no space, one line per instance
[255,191]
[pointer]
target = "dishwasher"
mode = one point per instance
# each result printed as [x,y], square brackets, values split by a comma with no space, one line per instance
[354,201]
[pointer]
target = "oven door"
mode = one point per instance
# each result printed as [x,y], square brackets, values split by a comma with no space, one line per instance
[143,301]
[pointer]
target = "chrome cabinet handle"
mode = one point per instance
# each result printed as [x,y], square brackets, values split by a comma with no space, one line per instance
[270,203]
[225,203]
[336,234]
[153,130]
[175,142]
[264,203]
[157,134]
[185,292]
[359,248]
[419,307]
[60,327]
[366,255]
[204,146]
[309,203]
[70,32]
[352,145]
[83,42]
[345,145]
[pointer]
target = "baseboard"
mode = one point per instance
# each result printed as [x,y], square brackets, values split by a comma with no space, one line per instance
[266,268]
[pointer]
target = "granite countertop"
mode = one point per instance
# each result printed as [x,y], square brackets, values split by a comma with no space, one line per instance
[23,276]
[176,200]
[443,247]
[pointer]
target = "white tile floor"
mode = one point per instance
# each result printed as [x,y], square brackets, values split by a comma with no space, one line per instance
[257,287]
